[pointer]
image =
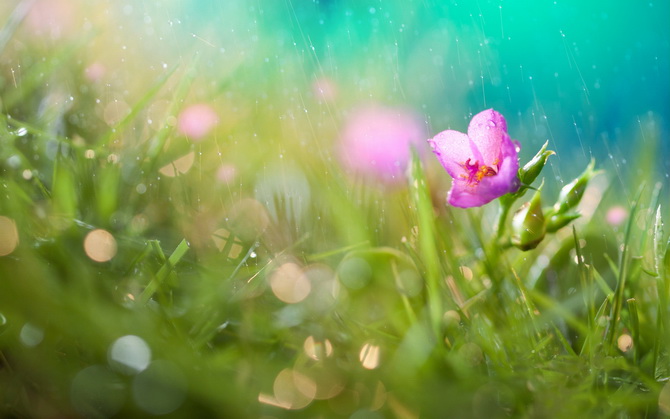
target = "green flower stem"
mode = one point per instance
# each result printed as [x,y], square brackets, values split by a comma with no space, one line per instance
[503,212]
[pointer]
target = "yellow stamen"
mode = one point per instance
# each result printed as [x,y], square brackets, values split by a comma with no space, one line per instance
[483,172]
[475,172]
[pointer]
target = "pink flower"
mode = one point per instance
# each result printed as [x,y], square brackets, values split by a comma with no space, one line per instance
[616,215]
[376,141]
[484,163]
[197,121]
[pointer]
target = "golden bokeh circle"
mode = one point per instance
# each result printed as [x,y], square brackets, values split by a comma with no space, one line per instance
[100,245]
[9,236]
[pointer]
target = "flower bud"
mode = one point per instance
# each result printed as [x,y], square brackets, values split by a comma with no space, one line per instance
[572,193]
[528,227]
[532,169]
[558,221]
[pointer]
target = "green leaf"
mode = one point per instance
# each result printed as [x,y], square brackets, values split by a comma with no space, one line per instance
[156,283]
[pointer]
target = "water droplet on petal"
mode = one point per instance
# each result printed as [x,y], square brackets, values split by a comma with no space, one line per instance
[492,123]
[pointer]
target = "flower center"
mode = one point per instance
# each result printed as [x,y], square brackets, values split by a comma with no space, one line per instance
[476,172]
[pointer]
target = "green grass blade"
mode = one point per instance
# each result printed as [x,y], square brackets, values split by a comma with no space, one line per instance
[604,286]
[63,188]
[559,311]
[165,270]
[563,340]
[621,280]
[107,191]
[658,243]
[634,326]
[586,290]
[427,241]
[13,21]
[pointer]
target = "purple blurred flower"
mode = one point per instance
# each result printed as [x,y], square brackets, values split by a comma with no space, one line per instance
[196,121]
[484,163]
[376,141]
[616,215]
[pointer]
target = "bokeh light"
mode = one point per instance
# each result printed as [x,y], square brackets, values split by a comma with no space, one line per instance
[354,272]
[664,399]
[289,283]
[196,121]
[97,392]
[9,235]
[379,397]
[159,389]
[325,288]
[129,354]
[227,243]
[616,215]
[409,282]
[325,89]
[451,318]
[466,272]
[472,353]
[178,166]
[625,342]
[114,111]
[50,18]
[3,323]
[317,349]
[31,335]
[376,141]
[226,173]
[100,245]
[329,381]
[95,72]
[369,356]
[248,219]
[293,389]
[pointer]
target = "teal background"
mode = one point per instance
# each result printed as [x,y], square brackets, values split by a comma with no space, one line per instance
[589,76]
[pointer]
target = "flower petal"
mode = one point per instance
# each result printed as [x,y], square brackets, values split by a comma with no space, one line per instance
[452,149]
[504,182]
[486,131]
[464,196]
[484,163]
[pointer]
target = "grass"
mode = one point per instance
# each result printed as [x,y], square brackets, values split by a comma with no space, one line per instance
[414,308]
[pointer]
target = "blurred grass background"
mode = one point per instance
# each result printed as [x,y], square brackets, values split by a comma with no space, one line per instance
[249,272]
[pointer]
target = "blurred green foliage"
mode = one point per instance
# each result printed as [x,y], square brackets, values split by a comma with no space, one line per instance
[284,286]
